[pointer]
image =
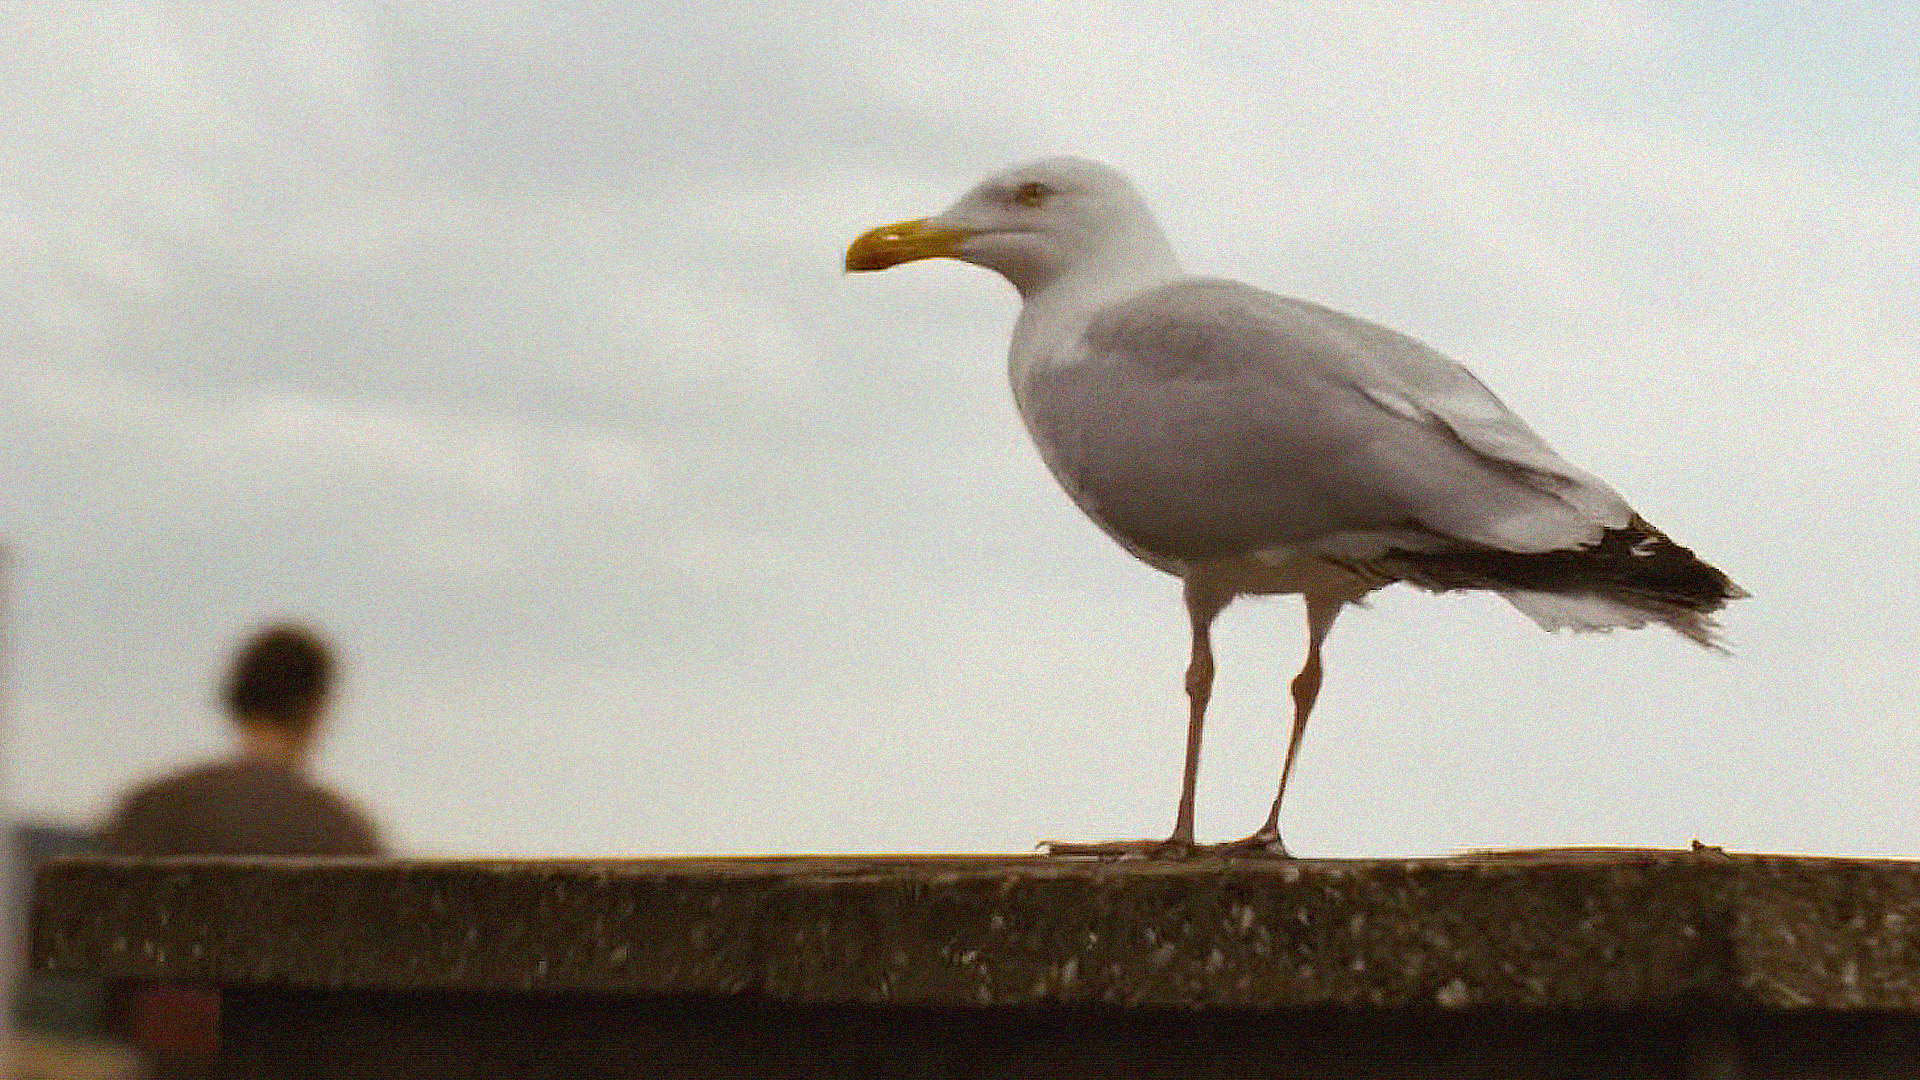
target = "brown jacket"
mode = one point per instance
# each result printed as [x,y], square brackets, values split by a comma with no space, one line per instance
[238,808]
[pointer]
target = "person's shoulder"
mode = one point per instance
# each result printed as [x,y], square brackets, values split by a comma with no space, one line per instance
[195,785]
[354,828]
[167,784]
[148,809]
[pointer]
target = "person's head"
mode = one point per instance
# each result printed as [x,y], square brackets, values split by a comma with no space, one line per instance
[280,680]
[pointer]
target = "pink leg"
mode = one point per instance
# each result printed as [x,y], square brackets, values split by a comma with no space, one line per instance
[1321,611]
[1202,606]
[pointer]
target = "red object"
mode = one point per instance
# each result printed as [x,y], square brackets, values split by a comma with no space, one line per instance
[170,1016]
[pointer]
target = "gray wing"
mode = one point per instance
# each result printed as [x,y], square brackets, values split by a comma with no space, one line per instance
[1208,418]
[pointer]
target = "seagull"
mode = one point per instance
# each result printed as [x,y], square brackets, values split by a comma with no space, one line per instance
[1255,444]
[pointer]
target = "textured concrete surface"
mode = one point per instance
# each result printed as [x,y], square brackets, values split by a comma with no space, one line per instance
[1550,930]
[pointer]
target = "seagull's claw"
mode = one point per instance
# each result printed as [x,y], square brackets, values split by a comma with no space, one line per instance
[1170,848]
[1261,845]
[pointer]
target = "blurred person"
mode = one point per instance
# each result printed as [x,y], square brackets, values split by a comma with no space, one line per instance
[260,801]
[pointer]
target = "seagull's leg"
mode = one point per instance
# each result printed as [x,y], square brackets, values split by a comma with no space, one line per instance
[1203,605]
[1321,611]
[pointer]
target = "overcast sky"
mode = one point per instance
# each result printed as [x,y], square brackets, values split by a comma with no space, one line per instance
[507,343]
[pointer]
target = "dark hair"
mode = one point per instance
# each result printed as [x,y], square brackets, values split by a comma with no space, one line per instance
[281,675]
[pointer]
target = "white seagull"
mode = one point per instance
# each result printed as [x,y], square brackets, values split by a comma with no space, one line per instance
[1250,443]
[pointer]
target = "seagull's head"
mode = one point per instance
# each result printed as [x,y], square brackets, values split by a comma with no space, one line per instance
[1033,224]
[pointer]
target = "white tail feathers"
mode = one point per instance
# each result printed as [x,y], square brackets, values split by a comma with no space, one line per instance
[1590,612]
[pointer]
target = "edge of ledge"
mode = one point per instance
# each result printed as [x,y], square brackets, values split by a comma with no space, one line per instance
[1561,928]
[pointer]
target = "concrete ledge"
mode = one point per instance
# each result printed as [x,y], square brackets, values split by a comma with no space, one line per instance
[1553,931]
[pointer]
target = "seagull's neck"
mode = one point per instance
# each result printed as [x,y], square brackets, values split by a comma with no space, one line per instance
[1055,313]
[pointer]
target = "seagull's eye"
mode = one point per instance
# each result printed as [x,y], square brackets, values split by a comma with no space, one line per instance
[1031,193]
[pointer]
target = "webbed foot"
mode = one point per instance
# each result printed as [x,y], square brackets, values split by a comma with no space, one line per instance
[1261,845]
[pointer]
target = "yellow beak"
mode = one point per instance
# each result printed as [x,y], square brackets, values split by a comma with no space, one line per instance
[891,245]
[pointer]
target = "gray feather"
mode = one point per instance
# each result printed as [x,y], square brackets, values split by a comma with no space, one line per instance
[1207,418]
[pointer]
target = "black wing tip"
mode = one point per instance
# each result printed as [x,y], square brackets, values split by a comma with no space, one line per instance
[1634,564]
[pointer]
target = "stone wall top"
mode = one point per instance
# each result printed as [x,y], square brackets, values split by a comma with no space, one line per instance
[1548,930]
